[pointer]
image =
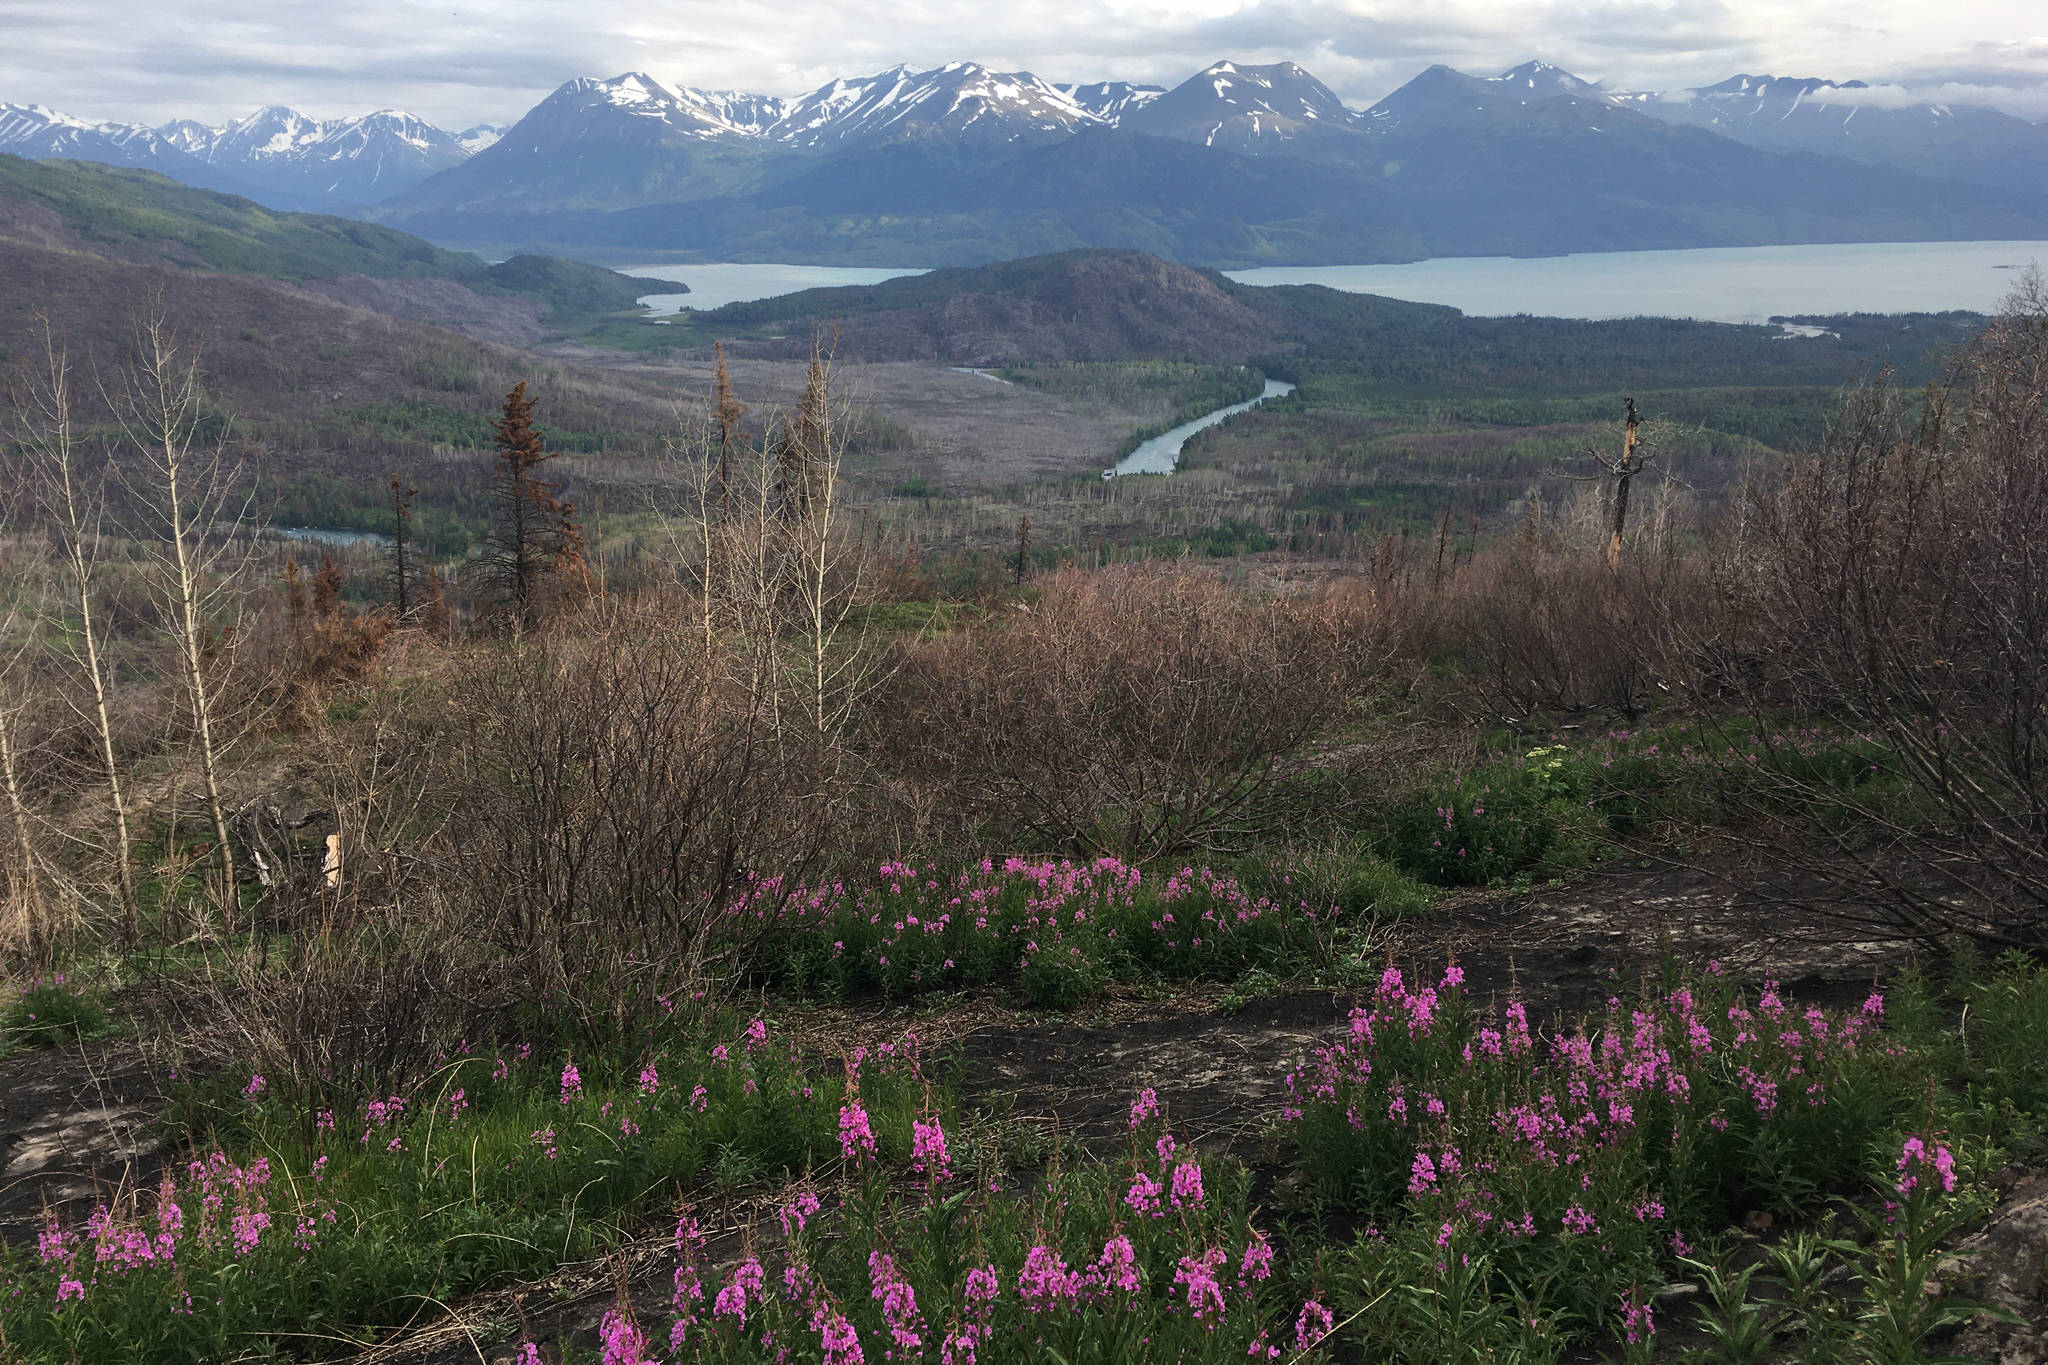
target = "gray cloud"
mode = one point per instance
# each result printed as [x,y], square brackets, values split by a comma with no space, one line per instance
[465,61]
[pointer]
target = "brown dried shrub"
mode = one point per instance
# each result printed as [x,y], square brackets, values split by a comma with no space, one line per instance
[1137,710]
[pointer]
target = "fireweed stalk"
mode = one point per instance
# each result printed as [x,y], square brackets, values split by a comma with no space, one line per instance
[403,1196]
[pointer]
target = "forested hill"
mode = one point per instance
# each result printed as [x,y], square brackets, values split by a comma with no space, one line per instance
[1115,305]
[136,215]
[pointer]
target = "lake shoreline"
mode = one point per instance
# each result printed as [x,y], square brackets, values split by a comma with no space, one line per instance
[1744,285]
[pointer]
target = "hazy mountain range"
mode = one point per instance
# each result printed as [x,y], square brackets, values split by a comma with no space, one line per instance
[1238,164]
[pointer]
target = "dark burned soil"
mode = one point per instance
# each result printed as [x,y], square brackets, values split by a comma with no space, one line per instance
[70,1120]
[75,1120]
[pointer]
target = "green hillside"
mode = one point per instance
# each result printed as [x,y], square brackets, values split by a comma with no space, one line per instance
[118,210]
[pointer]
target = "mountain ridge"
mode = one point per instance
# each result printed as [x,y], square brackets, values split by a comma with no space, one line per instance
[627,161]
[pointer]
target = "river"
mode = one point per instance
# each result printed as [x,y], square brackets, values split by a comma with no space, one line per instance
[1160,454]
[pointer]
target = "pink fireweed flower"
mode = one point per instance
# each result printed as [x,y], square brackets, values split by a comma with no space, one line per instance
[650,1079]
[1422,1174]
[70,1289]
[1635,1317]
[1913,1159]
[856,1138]
[1201,1293]
[1312,1324]
[928,1153]
[1117,1267]
[837,1341]
[572,1082]
[255,1086]
[623,1341]
[1143,1196]
[53,1243]
[544,1138]
[797,1213]
[747,1279]
[1045,1281]
[1257,1262]
[248,1229]
[1578,1222]
[899,1304]
[757,1035]
[1187,1185]
[1145,1107]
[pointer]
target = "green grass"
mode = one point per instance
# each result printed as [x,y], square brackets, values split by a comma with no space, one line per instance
[52,1011]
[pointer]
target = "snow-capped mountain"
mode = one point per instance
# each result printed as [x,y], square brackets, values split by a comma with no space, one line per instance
[1442,98]
[1243,108]
[1535,81]
[637,106]
[189,136]
[271,134]
[291,160]
[474,140]
[629,160]
[30,130]
[753,114]
[960,102]
[1885,125]
[1111,100]
[276,155]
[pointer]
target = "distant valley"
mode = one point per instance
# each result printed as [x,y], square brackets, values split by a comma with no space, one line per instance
[1236,166]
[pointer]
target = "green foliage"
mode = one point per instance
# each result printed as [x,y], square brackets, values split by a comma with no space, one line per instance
[51,1011]
[222,232]
[118,206]
[339,1223]
[1227,538]
[466,428]
[1530,1194]
[1060,931]
[569,289]
[1501,821]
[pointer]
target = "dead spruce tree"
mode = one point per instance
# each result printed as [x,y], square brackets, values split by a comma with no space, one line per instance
[74,508]
[533,533]
[404,574]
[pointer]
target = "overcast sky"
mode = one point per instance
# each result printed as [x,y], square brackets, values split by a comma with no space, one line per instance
[459,62]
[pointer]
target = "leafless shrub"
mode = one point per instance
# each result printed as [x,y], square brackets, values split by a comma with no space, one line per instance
[1138,710]
[614,794]
[1551,627]
[1898,579]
